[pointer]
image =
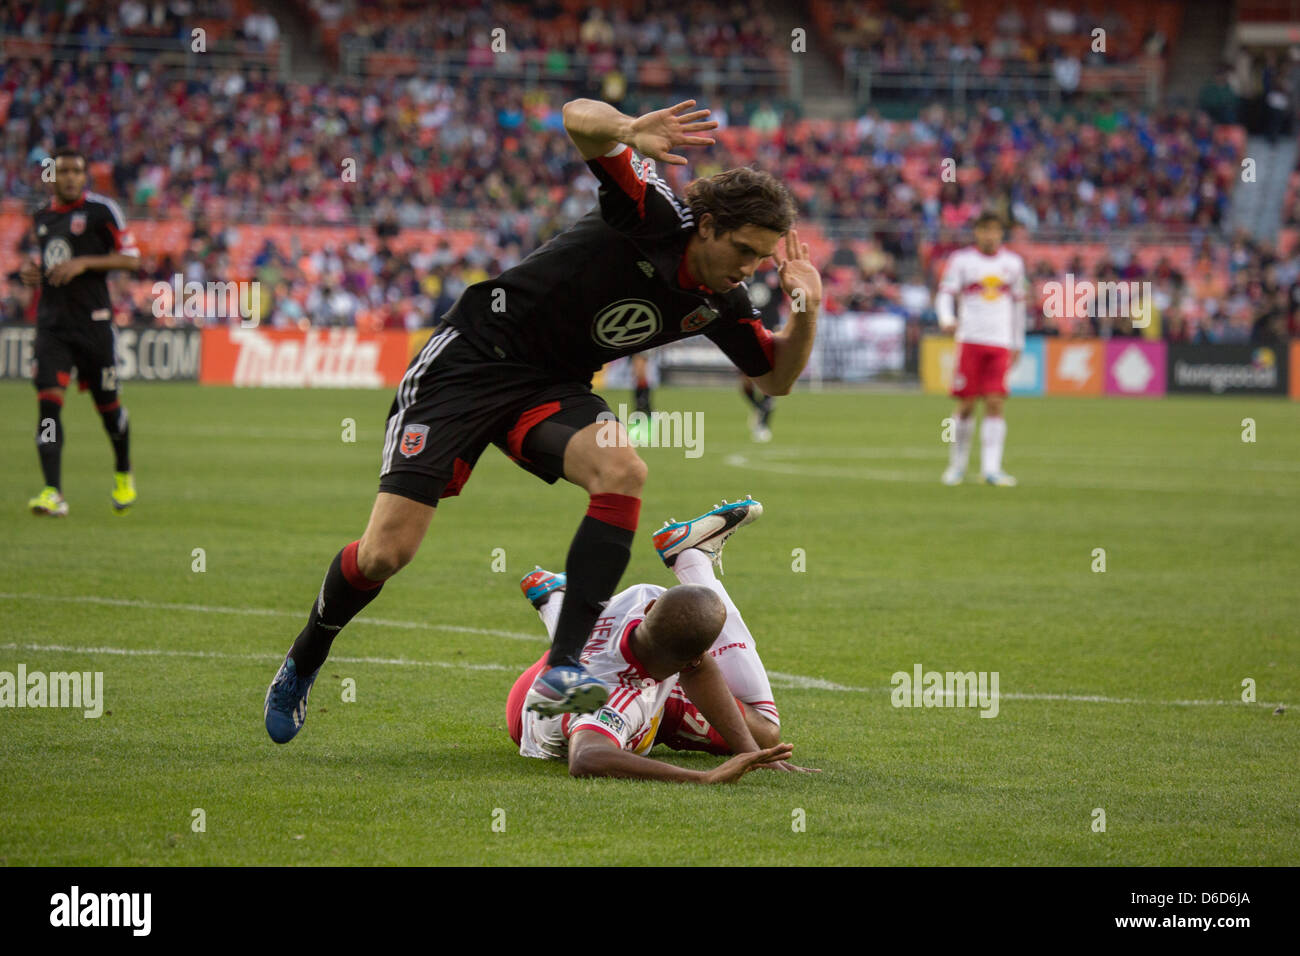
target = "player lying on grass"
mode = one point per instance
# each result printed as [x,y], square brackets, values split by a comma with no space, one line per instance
[511,365]
[681,668]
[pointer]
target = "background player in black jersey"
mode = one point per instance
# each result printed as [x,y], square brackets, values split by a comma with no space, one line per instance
[511,364]
[82,236]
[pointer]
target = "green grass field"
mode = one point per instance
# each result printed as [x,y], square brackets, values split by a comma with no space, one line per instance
[1120,690]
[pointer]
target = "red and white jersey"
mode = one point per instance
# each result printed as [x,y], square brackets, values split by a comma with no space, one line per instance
[989,292]
[631,716]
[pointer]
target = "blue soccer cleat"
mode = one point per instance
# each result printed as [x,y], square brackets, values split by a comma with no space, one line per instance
[1000,479]
[286,702]
[565,689]
[538,585]
[709,532]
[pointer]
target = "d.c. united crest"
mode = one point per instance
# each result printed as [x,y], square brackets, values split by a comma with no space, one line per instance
[413,437]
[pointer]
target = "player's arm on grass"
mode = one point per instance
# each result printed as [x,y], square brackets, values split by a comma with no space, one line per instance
[593,754]
[708,691]
[596,128]
[793,344]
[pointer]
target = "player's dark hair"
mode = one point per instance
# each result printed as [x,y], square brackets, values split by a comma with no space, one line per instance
[69,152]
[989,215]
[740,197]
[687,619]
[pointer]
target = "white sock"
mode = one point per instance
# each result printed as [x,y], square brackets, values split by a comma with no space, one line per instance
[993,435]
[959,452]
[734,650]
[550,612]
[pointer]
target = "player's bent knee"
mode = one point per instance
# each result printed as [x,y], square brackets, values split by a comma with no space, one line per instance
[622,472]
[380,560]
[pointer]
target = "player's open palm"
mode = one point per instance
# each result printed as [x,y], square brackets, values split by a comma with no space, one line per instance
[800,279]
[741,764]
[657,134]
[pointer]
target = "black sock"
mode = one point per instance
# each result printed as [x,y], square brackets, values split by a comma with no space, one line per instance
[642,397]
[752,395]
[598,557]
[765,410]
[119,433]
[49,440]
[340,601]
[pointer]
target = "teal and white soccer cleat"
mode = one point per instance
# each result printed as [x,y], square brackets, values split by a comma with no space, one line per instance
[1000,479]
[953,476]
[538,585]
[709,532]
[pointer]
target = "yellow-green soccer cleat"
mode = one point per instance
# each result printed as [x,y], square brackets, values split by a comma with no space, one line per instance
[123,493]
[48,502]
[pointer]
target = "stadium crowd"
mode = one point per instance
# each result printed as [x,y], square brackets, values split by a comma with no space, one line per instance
[221,148]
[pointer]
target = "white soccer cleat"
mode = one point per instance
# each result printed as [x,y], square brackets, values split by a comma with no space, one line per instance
[709,532]
[953,476]
[1000,479]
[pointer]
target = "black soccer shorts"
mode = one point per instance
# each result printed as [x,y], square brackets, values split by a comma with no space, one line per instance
[455,400]
[90,350]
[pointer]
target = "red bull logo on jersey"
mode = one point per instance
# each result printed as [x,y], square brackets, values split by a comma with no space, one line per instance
[413,439]
[991,287]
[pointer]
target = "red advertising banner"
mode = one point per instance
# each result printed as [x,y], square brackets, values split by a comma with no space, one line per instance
[1295,369]
[288,358]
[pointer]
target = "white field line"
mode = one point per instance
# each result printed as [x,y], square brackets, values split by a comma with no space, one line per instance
[860,474]
[267,612]
[779,680]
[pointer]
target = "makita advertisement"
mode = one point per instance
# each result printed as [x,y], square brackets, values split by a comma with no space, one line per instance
[1227,369]
[317,358]
[143,353]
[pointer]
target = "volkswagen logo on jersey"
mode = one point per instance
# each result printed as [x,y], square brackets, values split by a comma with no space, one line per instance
[56,251]
[413,437]
[626,323]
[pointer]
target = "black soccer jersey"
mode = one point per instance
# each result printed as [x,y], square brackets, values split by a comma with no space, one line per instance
[91,226]
[612,284]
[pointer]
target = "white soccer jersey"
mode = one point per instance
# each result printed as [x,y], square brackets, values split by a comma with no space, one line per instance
[990,295]
[631,716]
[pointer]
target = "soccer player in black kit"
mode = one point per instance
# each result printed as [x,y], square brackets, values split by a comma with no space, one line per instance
[511,365]
[82,235]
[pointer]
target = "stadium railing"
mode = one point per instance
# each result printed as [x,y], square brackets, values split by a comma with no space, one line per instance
[870,81]
[175,55]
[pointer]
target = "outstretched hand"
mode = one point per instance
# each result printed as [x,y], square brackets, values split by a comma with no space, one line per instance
[657,134]
[800,279]
[741,764]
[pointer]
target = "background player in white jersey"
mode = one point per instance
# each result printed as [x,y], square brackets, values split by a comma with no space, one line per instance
[680,664]
[987,283]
